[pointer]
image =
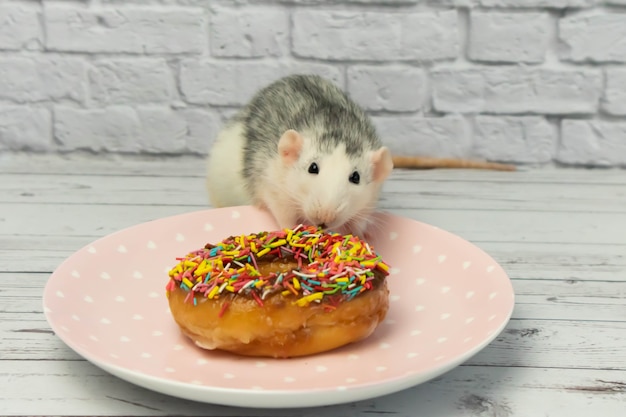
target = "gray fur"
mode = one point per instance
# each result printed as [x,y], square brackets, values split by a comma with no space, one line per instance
[305,103]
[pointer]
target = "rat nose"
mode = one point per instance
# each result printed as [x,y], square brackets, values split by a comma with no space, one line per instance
[322,225]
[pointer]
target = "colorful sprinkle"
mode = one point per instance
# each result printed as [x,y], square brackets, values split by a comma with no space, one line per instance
[344,267]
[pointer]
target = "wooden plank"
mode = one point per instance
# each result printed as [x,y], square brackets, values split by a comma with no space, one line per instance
[422,194]
[79,388]
[524,260]
[194,166]
[495,226]
[534,299]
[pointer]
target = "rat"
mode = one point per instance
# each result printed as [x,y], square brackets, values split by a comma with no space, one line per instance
[303,150]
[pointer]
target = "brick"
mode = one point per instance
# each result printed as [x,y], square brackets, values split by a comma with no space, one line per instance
[42,78]
[25,128]
[509,37]
[125,129]
[516,90]
[387,88]
[593,36]
[129,29]
[519,4]
[614,99]
[379,35]
[228,83]
[592,142]
[446,136]
[526,139]
[249,32]
[127,81]
[20,27]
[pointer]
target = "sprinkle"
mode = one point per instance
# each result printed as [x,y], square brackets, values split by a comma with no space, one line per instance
[223,309]
[331,268]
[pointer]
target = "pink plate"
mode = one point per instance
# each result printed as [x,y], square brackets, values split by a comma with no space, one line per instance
[107,302]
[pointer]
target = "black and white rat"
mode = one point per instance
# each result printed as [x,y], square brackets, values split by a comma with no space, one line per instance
[302,149]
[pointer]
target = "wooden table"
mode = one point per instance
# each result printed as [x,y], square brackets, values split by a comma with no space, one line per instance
[559,233]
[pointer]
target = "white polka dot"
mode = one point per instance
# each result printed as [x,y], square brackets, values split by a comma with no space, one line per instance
[420,308]
[137,317]
[350,380]
[390,321]
[75,317]
[445,290]
[94,338]
[170,370]
[353,356]
[137,275]
[260,364]
[120,299]
[196,382]
[235,214]
[420,281]
[124,339]
[469,294]
[467,339]
[104,320]
[60,294]
[208,227]
[492,295]
[75,274]
[151,245]
[466,264]
[289,379]
[490,332]
[122,249]
[384,346]
[180,237]
[202,361]
[416,332]
[65,329]
[442,339]
[114,356]
[445,316]
[146,355]
[394,298]
[105,275]
[490,268]
[438,358]
[394,271]
[381,368]
[157,333]
[341,388]
[256,388]
[178,347]
[47,310]
[91,249]
[441,258]
[229,376]
[492,317]
[469,320]
[321,368]
[393,236]
[411,355]
[417,249]
[88,299]
[153,295]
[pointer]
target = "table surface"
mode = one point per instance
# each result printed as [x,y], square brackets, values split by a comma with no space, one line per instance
[559,233]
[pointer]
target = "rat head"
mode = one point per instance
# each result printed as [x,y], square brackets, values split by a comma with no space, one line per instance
[329,187]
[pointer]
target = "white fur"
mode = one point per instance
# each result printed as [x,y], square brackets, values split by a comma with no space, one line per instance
[290,192]
[225,182]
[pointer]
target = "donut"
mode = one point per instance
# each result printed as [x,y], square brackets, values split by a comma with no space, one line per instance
[284,293]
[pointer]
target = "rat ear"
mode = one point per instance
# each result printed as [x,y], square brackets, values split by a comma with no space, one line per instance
[290,146]
[381,159]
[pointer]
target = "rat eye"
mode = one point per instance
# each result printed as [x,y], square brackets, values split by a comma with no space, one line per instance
[314,169]
[355,178]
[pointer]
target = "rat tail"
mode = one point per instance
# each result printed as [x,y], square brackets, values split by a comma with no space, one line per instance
[418,162]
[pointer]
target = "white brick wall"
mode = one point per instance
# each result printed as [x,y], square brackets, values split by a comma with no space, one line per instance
[527,81]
